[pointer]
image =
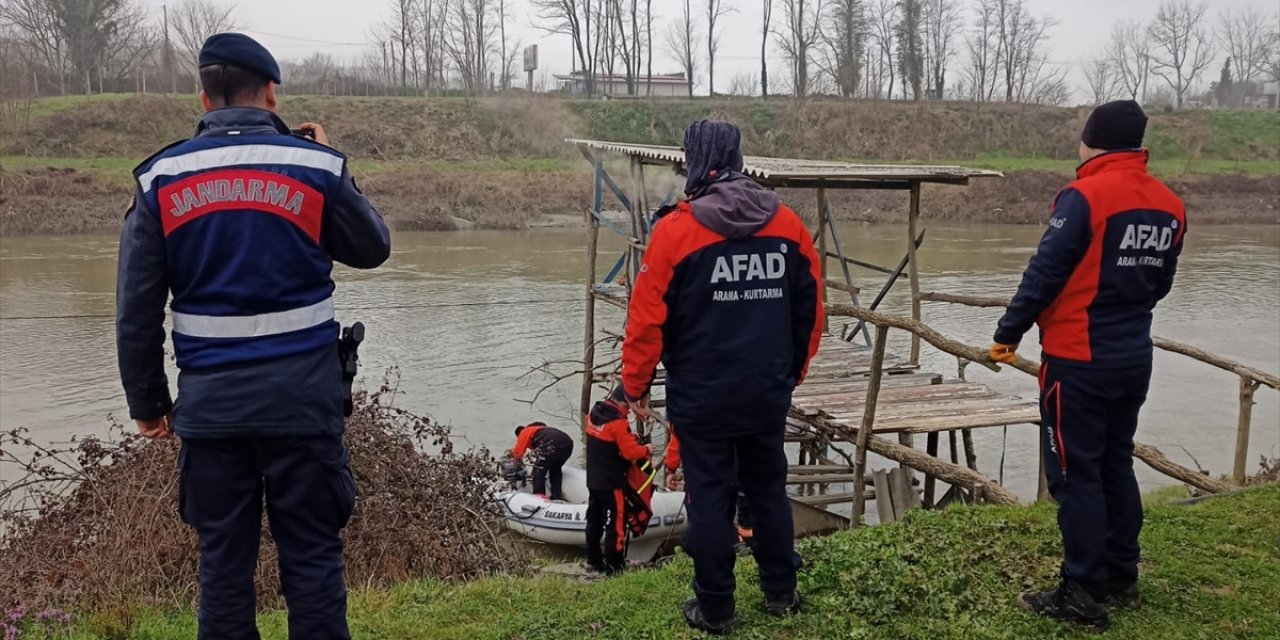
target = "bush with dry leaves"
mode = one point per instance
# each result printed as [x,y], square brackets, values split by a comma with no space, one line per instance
[95,524]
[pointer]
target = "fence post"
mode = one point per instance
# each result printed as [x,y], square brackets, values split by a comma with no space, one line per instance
[1247,387]
[864,431]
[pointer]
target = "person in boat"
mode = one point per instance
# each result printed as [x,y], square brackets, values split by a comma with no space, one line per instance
[671,463]
[548,449]
[1106,259]
[242,223]
[729,299]
[612,451]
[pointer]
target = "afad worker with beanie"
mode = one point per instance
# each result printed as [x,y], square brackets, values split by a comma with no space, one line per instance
[612,449]
[1108,256]
[729,298]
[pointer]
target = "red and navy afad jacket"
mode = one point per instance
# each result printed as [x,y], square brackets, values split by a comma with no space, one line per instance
[729,299]
[1108,256]
[242,224]
[612,448]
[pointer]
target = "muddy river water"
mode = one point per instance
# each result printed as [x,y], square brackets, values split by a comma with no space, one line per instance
[465,316]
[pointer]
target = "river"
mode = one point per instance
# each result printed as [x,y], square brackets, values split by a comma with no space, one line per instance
[466,316]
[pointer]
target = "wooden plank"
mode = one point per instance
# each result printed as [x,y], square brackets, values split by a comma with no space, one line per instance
[819,468]
[903,494]
[884,497]
[832,498]
[827,478]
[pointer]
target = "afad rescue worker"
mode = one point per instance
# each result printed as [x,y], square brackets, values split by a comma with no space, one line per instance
[1107,257]
[612,449]
[242,224]
[548,448]
[729,299]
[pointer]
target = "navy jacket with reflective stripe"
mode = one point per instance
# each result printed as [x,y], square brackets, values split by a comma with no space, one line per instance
[242,224]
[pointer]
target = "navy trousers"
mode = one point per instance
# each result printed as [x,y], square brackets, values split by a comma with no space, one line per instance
[550,462]
[1089,416]
[309,494]
[716,467]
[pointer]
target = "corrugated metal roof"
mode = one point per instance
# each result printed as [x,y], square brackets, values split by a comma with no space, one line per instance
[787,171]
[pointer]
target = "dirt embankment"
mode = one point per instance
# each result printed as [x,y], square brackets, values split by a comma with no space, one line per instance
[403,149]
[67,201]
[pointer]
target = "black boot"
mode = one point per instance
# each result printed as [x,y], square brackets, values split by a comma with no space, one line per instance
[693,616]
[1070,602]
[782,605]
[1123,595]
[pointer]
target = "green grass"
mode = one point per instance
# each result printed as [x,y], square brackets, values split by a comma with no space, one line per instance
[1210,571]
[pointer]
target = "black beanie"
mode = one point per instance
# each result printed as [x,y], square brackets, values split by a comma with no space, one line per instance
[1115,125]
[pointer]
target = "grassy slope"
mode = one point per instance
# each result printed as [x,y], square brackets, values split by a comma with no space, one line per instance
[1211,571]
[499,134]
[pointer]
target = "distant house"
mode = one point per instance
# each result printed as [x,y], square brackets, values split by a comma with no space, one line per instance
[1267,98]
[669,85]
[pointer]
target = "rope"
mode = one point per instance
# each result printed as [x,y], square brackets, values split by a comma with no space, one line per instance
[447,305]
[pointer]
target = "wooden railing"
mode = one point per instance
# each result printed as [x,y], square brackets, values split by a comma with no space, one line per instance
[883,321]
[1250,377]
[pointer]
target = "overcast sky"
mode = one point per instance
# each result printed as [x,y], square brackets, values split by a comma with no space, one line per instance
[293,29]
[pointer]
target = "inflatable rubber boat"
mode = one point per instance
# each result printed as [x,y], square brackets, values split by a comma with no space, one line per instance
[564,523]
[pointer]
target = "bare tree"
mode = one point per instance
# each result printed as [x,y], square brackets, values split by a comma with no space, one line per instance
[572,18]
[941,22]
[432,33]
[193,21]
[682,42]
[716,9]
[743,84]
[1130,55]
[37,25]
[799,34]
[507,50]
[1183,48]
[648,44]
[884,18]
[470,40]
[983,46]
[1245,36]
[765,18]
[1102,77]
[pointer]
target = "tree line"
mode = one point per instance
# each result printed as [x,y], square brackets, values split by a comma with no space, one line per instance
[978,50]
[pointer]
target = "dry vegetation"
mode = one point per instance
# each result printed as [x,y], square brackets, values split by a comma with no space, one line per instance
[502,163]
[94,526]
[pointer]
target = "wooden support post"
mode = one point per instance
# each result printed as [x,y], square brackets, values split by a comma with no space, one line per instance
[589,321]
[931,448]
[868,422]
[1042,482]
[1247,387]
[913,268]
[822,245]
[884,498]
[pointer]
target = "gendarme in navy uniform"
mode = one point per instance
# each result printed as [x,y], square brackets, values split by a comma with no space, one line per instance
[242,224]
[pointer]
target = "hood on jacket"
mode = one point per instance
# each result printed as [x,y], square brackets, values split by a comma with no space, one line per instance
[735,207]
[712,150]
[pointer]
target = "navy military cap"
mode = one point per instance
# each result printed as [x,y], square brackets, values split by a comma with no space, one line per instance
[239,50]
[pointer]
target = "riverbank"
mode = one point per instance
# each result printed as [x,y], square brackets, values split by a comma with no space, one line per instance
[1210,570]
[90,196]
[501,163]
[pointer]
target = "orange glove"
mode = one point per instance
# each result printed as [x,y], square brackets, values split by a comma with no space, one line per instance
[1004,353]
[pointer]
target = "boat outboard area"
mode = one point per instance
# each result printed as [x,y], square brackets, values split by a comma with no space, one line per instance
[564,522]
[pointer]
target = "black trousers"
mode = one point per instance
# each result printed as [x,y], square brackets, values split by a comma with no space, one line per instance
[309,494]
[549,461]
[606,529]
[716,467]
[1089,416]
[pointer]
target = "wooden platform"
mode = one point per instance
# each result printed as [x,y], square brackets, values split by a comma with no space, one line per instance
[910,401]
